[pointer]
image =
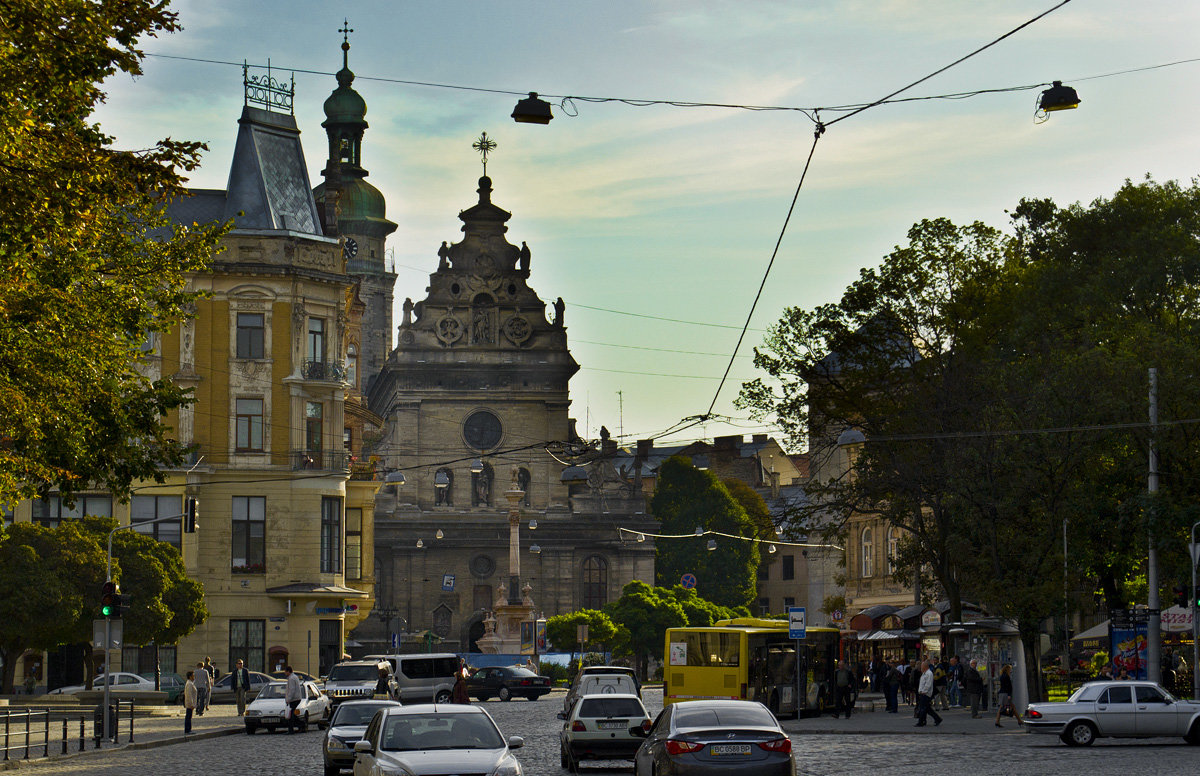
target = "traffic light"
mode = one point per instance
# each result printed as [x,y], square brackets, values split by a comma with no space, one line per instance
[1196,599]
[191,513]
[1181,596]
[110,600]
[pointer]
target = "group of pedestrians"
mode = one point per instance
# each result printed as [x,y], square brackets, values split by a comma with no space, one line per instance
[197,691]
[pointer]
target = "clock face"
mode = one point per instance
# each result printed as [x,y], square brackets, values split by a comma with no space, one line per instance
[482,430]
[350,248]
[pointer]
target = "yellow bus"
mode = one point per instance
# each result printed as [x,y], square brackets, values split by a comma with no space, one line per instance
[751,659]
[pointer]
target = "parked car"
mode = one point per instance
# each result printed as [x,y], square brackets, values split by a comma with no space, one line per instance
[505,682]
[601,679]
[171,684]
[435,739]
[123,682]
[355,680]
[346,728]
[423,678]
[1116,709]
[222,691]
[717,737]
[597,727]
[269,710]
[281,676]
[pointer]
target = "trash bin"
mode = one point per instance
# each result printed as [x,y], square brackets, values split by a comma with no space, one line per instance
[98,721]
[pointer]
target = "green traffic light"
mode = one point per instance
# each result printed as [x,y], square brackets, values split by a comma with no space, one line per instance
[108,610]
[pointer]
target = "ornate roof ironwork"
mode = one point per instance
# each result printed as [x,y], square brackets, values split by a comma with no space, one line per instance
[263,89]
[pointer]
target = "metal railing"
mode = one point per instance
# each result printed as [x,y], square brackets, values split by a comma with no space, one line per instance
[334,371]
[27,730]
[321,460]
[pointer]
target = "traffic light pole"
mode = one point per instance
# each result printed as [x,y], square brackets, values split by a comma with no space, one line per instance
[1194,554]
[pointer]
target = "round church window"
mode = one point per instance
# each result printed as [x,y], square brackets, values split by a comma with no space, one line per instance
[482,430]
[483,566]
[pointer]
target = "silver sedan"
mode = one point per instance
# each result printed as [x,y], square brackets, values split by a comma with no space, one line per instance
[714,736]
[1116,709]
[434,739]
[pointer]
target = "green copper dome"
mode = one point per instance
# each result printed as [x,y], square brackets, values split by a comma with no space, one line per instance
[361,207]
[345,106]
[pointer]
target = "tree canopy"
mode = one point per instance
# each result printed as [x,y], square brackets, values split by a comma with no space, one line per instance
[92,263]
[997,384]
[686,498]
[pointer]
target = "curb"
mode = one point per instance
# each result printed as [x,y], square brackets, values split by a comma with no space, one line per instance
[12,765]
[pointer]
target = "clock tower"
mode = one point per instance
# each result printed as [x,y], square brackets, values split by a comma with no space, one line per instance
[355,211]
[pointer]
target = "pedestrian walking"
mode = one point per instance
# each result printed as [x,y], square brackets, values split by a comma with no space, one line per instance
[240,681]
[914,681]
[189,702]
[1005,703]
[843,687]
[383,692]
[973,687]
[459,693]
[204,685]
[292,696]
[925,697]
[213,672]
[940,680]
[954,675]
[891,687]
[987,686]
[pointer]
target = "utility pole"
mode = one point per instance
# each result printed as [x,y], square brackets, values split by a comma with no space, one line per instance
[1154,624]
[620,414]
[1194,553]
[1066,659]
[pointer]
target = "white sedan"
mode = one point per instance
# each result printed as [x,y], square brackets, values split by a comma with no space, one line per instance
[1116,709]
[122,682]
[269,710]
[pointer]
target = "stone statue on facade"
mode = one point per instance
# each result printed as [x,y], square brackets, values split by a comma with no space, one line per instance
[559,307]
[524,258]
[444,256]
[408,308]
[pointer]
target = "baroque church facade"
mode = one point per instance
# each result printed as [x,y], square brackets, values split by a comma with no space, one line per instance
[474,403]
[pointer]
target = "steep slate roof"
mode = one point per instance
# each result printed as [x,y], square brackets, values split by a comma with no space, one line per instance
[268,180]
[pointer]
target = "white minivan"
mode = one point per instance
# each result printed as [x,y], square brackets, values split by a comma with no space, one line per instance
[423,677]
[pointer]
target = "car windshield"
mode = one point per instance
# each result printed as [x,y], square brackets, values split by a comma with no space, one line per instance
[611,707]
[725,716]
[363,673]
[421,732]
[272,691]
[355,714]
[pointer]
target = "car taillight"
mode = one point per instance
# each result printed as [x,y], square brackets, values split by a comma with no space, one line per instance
[578,727]
[778,745]
[683,747]
[524,682]
[1033,713]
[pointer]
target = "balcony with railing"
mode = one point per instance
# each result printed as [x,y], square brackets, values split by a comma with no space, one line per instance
[328,371]
[321,460]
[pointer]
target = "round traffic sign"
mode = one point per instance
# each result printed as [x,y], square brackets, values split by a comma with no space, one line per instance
[688,581]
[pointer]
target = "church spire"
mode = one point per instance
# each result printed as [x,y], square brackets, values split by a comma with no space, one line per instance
[345,112]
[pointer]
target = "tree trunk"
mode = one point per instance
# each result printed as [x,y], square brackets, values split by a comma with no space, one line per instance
[1033,667]
[10,669]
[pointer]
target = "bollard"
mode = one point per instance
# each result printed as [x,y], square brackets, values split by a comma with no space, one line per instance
[46,736]
[7,728]
[28,734]
[131,722]
[82,733]
[64,737]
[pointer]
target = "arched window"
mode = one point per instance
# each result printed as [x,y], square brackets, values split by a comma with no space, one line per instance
[595,582]
[352,366]
[893,548]
[868,554]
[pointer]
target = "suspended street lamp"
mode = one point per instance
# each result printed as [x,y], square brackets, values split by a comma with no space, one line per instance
[532,110]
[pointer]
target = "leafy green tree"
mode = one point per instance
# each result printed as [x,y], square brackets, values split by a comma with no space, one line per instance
[53,578]
[646,613]
[92,263]
[686,498]
[701,613]
[562,630]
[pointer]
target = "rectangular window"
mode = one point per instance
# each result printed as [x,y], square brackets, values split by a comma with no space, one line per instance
[331,534]
[329,644]
[249,535]
[353,543]
[789,567]
[348,440]
[764,606]
[143,509]
[313,416]
[249,424]
[251,329]
[788,601]
[51,511]
[247,641]
[316,339]
[6,516]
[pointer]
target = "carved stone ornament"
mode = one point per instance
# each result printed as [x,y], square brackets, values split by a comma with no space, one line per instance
[517,329]
[449,329]
[407,337]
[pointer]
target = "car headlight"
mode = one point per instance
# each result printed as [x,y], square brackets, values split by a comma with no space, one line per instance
[253,713]
[509,766]
[336,743]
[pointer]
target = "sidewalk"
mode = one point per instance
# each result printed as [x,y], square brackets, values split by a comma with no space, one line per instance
[163,727]
[869,718]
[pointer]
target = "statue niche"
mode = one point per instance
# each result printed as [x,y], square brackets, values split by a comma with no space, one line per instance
[481,487]
[483,320]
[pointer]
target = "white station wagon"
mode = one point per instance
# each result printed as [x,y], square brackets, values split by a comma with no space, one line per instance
[1116,709]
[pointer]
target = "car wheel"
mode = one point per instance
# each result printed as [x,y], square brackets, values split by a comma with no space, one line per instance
[505,694]
[332,770]
[1079,734]
[562,756]
[304,723]
[482,697]
[250,729]
[1193,736]
[270,728]
[442,697]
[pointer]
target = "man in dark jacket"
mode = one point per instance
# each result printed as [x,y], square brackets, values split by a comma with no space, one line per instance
[973,686]
[241,685]
[843,690]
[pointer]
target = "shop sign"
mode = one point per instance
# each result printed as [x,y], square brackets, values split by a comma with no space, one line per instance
[931,619]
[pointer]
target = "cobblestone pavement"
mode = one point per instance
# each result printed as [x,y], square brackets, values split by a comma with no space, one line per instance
[869,743]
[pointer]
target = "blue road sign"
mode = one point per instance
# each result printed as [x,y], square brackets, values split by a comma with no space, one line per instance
[797,622]
[688,581]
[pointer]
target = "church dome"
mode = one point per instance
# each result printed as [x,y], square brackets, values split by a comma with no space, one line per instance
[359,201]
[344,105]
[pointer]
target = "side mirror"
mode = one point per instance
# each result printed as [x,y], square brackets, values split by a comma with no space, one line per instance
[363,747]
[639,732]
[515,742]
[561,715]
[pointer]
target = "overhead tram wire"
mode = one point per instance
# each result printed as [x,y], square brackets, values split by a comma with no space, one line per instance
[820,129]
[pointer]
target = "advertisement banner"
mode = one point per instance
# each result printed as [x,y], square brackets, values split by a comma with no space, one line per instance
[1127,635]
[526,638]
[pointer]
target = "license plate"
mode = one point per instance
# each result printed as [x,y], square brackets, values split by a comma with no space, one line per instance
[716,749]
[270,720]
[613,725]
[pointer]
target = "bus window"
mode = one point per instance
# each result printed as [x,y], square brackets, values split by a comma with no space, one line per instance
[712,649]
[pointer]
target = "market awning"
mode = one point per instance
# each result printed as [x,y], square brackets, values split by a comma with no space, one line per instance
[1092,638]
[885,635]
[315,590]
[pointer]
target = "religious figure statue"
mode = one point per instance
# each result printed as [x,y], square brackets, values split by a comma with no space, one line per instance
[444,256]
[481,327]
[559,307]
[524,258]
[408,308]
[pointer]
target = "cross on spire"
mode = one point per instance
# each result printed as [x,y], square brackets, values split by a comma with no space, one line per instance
[345,30]
[484,145]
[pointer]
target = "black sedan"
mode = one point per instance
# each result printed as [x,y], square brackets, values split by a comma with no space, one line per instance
[714,736]
[505,682]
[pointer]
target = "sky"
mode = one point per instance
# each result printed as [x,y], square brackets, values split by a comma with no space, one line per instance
[656,223]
